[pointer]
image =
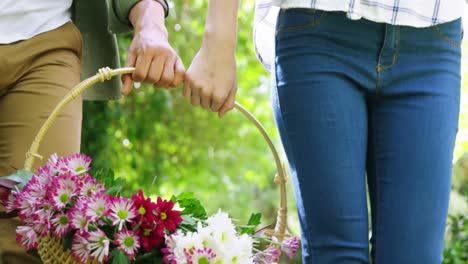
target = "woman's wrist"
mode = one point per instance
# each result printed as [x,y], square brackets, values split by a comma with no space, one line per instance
[219,39]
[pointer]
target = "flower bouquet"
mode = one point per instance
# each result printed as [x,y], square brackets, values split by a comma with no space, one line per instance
[63,202]
[74,217]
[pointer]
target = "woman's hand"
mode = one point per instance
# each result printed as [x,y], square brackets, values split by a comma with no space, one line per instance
[211,80]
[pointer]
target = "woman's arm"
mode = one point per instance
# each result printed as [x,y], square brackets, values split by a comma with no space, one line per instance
[211,80]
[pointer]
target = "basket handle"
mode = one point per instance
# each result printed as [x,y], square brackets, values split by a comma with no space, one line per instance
[106,74]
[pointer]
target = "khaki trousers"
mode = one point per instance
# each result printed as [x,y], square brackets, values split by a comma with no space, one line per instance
[35,75]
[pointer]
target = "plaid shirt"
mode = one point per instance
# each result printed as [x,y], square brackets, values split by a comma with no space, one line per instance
[416,13]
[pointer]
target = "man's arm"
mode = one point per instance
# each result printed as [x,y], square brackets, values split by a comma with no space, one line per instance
[211,80]
[150,53]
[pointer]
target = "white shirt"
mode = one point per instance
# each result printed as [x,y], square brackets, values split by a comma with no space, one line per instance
[415,13]
[24,19]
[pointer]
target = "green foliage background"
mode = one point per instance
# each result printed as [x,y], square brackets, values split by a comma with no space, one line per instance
[155,140]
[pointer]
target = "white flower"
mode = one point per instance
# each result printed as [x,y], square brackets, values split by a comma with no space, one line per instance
[77,164]
[222,228]
[97,207]
[185,242]
[217,242]
[61,223]
[80,248]
[122,210]
[99,245]
[127,242]
[26,236]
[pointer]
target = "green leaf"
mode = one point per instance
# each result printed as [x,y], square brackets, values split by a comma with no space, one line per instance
[153,257]
[106,176]
[114,190]
[254,221]
[191,205]
[67,240]
[118,257]
[21,176]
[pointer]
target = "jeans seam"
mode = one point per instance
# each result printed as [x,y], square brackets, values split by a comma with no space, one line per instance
[315,22]
[376,232]
[442,37]
[395,55]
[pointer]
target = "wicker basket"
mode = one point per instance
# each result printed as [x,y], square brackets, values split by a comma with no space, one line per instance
[51,249]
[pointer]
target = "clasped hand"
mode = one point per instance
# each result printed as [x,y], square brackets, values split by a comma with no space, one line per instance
[210,81]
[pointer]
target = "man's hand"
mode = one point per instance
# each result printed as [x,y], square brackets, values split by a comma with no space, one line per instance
[150,53]
[211,80]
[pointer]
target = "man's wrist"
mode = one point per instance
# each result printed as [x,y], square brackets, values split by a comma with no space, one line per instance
[146,13]
[164,4]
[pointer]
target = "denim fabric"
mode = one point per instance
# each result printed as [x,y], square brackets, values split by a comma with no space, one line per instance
[357,100]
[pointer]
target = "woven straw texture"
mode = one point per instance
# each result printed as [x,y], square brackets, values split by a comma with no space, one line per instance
[51,251]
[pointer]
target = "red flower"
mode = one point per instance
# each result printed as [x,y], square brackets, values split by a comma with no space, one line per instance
[148,229]
[151,236]
[153,219]
[165,216]
[145,208]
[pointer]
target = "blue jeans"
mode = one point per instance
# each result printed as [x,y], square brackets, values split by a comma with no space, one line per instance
[356,99]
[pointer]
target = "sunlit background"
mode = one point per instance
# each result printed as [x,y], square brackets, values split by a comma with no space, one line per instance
[158,142]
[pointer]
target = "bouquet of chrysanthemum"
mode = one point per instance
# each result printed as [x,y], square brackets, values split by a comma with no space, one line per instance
[90,218]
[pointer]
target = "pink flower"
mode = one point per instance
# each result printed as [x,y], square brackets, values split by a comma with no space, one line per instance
[127,241]
[56,165]
[67,181]
[61,197]
[122,210]
[77,164]
[42,218]
[290,246]
[90,188]
[61,224]
[26,236]
[80,248]
[98,207]
[98,245]
[78,219]
[35,188]
[269,255]
[10,202]
[25,204]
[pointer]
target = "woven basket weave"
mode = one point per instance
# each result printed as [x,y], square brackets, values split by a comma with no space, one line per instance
[51,250]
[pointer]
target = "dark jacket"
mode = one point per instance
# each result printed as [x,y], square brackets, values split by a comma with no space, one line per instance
[99,21]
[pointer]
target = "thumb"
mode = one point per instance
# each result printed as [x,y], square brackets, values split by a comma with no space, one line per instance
[127,80]
[228,104]
[127,84]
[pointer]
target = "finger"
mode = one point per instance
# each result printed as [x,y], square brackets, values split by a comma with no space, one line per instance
[195,90]
[126,78]
[167,76]
[187,92]
[179,71]
[217,102]
[127,84]
[206,98]
[229,103]
[142,66]
[155,70]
